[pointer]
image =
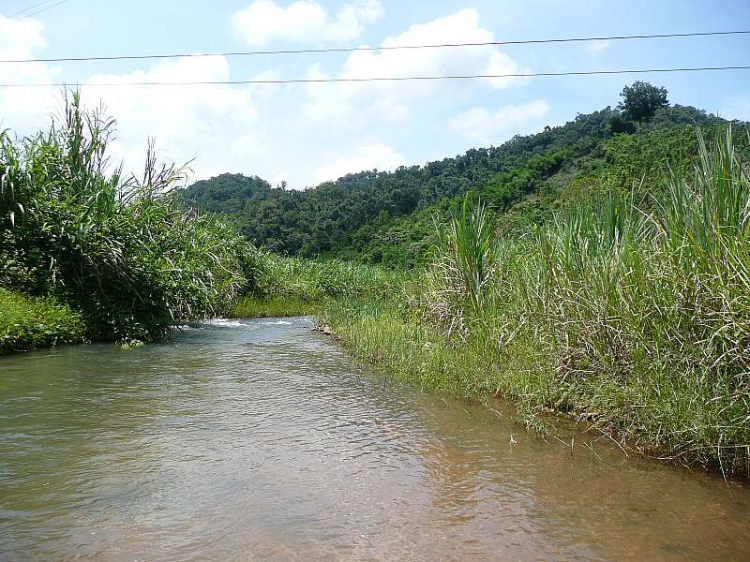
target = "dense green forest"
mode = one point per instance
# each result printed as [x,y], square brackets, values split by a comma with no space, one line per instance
[387,218]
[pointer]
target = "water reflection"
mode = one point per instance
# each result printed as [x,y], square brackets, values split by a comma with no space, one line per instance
[261,440]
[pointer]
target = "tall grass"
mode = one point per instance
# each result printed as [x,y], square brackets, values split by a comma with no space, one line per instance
[460,276]
[636,323]
[285,286]
[313,280]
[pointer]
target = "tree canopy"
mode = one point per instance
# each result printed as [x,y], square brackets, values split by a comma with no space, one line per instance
[641,101]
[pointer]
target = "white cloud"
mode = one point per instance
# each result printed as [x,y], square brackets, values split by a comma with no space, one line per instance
[217,125]
[297,134]
[23,109]
[20,38]
[483,125]
[597,47]
[282,176]
[265,21]
[460,27]
[392,100]
[369,157]
[214,123]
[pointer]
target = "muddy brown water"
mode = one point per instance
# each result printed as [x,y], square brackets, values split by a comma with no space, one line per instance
[262,440]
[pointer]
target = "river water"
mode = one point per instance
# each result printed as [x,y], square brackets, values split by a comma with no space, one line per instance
[262,440]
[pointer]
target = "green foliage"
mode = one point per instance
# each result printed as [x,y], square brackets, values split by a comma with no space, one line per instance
[464,260]
[123,251]
[295,286]
[635,321]
[27,323]
[621,124]
[387,218]
[311,281]
[272,307]
[228,193]
[646,159]
[641,101]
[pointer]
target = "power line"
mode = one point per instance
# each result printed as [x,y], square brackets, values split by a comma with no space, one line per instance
[376,79]
[27,8]
[382,48]
[45,9]
[37,5]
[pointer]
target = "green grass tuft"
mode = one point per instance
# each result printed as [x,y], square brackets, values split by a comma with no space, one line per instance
[27,323]
[274,307]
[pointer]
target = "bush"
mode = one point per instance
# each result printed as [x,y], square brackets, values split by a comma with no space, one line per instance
[309,280]
[122,250]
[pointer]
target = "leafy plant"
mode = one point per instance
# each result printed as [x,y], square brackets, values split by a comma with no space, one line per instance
[122,250]
[27,323]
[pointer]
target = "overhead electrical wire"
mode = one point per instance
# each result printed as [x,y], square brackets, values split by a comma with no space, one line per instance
[264,81]
[45,9]
[27,8]
[381,48]
[42,8]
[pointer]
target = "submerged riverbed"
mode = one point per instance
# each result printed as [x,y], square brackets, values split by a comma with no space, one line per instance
[262,440]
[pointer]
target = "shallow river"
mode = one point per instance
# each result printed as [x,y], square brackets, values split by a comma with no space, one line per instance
[262,440]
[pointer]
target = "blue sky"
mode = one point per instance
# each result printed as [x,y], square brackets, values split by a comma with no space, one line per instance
[306,134]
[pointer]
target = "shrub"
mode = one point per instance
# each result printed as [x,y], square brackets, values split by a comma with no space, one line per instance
[122,250]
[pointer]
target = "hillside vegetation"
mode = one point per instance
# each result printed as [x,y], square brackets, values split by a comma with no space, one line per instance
[386,218]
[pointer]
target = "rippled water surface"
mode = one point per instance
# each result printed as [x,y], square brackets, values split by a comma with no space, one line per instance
[262,440]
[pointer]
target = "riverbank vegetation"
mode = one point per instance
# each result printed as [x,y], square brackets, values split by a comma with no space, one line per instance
[27,323]
[631,316]
[286,286]
[599,270]
[118,250]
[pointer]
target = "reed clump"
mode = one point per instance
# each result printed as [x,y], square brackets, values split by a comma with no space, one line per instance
[288,286]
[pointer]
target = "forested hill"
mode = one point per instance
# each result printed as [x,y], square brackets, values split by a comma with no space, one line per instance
[387,217]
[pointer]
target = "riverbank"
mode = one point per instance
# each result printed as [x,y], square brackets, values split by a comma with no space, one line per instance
[633,321]
[298,287]
[28,323]
[662,418]
[273,307]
